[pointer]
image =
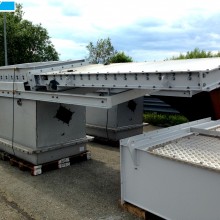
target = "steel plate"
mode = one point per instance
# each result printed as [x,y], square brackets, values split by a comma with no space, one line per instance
[197,150]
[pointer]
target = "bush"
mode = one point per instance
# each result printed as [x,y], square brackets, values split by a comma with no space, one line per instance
[164,120]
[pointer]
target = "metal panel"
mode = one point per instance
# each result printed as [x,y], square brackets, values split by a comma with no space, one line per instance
[176,75]
[199,150]
[38,120]
[98,117]
[40,66]
[72,97]
[12,86]
[169,189]
[39,131]
[125,96]
[172,172]
[24,121]
[150,81]
[114,134]
[123,120]
[177,78]
[53,130]
[46,155]
[188,65]
[130,113]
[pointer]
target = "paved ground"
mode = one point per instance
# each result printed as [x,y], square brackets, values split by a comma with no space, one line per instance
[87,190]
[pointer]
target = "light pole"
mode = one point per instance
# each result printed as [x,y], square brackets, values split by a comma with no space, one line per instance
[6,6]
[5,41]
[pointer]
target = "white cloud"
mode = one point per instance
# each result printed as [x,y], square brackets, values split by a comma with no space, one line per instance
[142,26]
[214,36]
[68,49]
[152,55]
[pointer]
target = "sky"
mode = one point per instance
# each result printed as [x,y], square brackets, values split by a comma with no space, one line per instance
[145,30]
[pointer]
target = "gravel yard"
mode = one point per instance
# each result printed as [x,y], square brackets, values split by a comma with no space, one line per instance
[86,190]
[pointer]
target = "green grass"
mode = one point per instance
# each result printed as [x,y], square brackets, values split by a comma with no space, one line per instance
[164,120]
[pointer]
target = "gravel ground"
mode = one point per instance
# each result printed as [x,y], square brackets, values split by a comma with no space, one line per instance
[87,190]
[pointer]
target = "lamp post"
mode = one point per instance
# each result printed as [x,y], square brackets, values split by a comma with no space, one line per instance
[5,41]
[6,6]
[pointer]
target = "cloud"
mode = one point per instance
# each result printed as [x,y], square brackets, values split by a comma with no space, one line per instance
[182,35]
[68,49]
[55,3]
[151,55]
[142,28]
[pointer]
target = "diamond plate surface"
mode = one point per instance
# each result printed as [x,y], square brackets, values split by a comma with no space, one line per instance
[194,149]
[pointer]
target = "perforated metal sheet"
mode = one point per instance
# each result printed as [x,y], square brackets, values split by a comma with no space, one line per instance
[197,150]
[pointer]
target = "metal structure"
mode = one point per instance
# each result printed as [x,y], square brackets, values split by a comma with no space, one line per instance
[174,172]
[43,119]
[66,85]
[120,121]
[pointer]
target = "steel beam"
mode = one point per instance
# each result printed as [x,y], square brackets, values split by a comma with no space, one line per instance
[75,99]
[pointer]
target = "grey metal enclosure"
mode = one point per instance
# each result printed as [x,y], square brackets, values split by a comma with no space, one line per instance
[174,172]
[120,121]
[40,132]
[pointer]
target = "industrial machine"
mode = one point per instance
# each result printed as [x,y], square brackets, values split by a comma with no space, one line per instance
[43,119]
[174,172]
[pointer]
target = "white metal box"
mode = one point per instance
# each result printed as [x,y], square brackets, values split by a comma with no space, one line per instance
[40,132]
[174,172]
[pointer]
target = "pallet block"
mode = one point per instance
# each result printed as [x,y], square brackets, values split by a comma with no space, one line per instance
[39,169]
[140,213]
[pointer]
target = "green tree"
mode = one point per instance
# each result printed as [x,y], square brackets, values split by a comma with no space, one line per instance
[196,53]
[26,42]
[101,52]
[120,57]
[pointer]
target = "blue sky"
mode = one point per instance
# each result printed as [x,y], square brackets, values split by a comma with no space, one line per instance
[145,30]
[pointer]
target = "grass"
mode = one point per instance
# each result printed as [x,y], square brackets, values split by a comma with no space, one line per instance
[164,120]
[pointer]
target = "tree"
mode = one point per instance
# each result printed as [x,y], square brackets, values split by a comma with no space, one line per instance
[101,52]
[26,42]
[196,53]
[104,52]
[120,57]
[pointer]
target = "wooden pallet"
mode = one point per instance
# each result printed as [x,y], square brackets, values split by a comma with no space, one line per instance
[140,213]
[39,169]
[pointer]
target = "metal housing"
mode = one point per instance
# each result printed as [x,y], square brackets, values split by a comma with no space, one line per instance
[40,132]
[174,172]
[120,121]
